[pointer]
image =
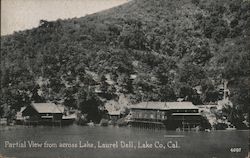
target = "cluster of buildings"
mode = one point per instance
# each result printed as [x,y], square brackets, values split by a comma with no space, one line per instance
[167,115]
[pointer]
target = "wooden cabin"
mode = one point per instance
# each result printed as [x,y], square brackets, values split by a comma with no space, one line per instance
[43,113]
[170,115]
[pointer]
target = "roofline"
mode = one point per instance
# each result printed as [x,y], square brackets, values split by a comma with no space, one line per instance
[148,108]
[162,109]
[32,104]
[166,102]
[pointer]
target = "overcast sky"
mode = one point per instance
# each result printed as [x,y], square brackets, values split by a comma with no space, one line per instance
[25,14]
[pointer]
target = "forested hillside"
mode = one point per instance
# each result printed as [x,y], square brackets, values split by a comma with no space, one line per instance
[149,50]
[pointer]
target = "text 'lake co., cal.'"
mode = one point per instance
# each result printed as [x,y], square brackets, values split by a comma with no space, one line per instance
[139,145]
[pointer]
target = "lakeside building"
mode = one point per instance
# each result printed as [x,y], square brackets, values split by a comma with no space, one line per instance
[114,115]
[169,115]
[19,116]
[43,113]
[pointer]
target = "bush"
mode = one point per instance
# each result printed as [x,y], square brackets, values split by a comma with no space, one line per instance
[104,122]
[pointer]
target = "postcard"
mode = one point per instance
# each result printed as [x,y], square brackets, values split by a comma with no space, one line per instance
[124,78]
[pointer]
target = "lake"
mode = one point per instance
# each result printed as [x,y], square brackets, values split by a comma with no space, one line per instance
[124,142]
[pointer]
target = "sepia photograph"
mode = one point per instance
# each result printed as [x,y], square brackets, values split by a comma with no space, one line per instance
[125,79]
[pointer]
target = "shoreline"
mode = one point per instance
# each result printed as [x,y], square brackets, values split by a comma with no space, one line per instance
[14,127]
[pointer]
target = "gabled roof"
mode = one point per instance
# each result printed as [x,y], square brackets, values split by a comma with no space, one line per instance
[22,109]
[47,108]
[164,105]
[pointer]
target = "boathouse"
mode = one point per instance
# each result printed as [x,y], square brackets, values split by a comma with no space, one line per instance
[43,113]
[170,115]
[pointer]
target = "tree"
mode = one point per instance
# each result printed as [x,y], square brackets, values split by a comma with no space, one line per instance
[36,97]
[209,92]
[167,94]
[88,103]
[103,84]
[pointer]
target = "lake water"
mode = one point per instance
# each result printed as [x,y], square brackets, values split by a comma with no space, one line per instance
[126,142]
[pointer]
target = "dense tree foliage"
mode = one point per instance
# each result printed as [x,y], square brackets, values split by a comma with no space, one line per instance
[168,47]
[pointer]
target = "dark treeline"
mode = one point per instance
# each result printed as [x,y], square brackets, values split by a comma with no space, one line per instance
[171,47]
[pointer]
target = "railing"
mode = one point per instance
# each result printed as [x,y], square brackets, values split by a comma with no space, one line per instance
[147,119]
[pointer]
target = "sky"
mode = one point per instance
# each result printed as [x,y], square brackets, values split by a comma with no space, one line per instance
[19,15]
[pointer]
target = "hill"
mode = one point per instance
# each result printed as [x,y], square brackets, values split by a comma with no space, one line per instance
[145,49]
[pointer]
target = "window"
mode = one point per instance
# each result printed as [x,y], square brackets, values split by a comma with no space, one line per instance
[152,116]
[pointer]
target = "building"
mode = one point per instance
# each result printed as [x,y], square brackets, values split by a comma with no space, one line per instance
[19,116]
[170,115]
[3,121]
[114,115]
[43,113]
